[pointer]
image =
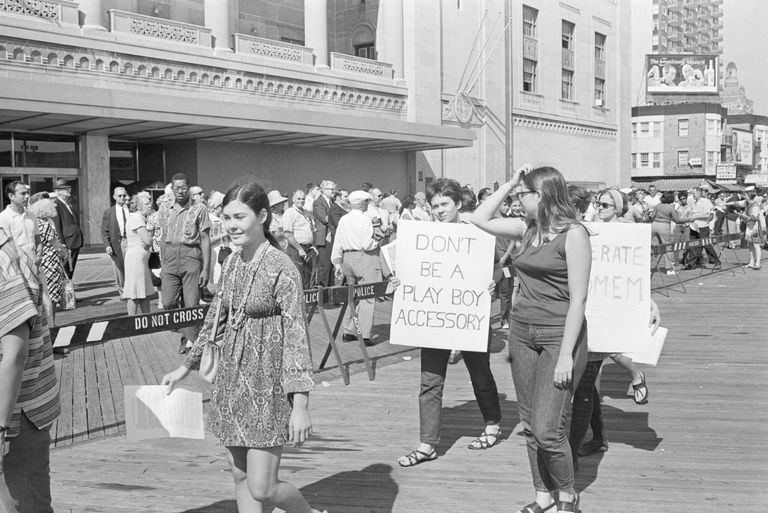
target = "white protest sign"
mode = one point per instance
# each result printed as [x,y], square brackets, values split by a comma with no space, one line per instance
[619,298]
[443,300]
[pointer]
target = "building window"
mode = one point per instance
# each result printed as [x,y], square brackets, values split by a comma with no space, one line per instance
[599,92]
[682,158]
[633,163]
[644,127]
[566,92]
[599,46]
[711,127]
[366,51]
[712,157]
[657,128]
[656,40]
[529,75]
[643,160]
[41,150]
[634,129]
[657,160]
[682,127]
[568,29]
[530,16]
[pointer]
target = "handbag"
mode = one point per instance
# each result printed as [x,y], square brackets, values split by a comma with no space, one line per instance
[211,355]
[67,292]
[154,260]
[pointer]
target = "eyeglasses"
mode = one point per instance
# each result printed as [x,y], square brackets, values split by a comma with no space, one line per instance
[180,189]
[521,194]
[605,205]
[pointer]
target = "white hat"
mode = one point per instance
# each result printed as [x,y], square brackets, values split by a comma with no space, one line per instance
[356,198]
[750,188]
[216,199]
[195,189]
[275,198]
[626,190]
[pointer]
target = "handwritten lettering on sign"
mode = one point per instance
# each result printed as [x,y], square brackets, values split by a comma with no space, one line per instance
[618,302]
[443,300]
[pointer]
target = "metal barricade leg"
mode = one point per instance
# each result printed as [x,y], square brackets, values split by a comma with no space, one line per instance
[361,342]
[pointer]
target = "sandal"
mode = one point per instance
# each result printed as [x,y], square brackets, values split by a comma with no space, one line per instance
[416,457]
[641,391]
[568,507]
[485,441]
[534,507]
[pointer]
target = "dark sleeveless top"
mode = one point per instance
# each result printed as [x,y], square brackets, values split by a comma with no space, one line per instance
[543,274]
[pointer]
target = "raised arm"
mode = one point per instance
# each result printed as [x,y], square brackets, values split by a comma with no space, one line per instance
[485,217]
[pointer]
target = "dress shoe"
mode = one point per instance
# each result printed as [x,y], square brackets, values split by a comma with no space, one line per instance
[368,342]
[347,337]
[183,346]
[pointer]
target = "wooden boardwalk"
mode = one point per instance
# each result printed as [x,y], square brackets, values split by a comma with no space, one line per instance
[700,445]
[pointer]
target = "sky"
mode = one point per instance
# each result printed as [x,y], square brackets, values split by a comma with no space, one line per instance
[744,23]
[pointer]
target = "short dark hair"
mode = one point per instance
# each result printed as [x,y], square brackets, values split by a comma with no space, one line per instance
[10,189]
[580,198]
[667,197]
[468,200]
[445,187]
[367,186]
[180,176]
[642,190]
[310,186]
[682,194]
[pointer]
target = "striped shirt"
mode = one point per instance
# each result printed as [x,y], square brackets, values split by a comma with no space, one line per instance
[184,224]
[298,224]
[21,301]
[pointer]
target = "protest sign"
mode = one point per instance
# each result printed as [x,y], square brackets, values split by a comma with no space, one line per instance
[443,300]
[619,297]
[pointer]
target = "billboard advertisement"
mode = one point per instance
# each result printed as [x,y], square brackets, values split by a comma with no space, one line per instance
[742,147]
[681,73]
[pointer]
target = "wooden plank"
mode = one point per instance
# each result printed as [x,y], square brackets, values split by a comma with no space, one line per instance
[79,408]
[106,396]
[146,363]
[92,398]
[114,373]
[64,422]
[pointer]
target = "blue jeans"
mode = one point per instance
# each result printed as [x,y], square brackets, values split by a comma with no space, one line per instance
[533,352]
[25,484]
[434,364]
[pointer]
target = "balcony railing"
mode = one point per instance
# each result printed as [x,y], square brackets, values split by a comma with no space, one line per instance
[568,59]
[159,28]
[358,65]
[56,11]
[270,48]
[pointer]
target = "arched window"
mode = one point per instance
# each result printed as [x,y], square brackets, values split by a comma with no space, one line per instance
[364,40]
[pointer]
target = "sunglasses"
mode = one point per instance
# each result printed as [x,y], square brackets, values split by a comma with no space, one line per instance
[605,205]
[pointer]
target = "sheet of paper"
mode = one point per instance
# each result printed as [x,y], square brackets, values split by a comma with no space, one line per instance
[150,413]
[388,251]
[651,356]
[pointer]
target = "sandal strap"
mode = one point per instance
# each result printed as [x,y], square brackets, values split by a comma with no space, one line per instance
[533,507]
[483,442]
[414,458]
[572,507]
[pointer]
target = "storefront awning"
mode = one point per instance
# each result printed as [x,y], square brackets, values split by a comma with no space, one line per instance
[670,183]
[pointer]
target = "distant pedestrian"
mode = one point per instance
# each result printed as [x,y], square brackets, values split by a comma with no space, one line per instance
[197,196]
[52,251]
[138,280]
[29,397]
[298,230]
[19,224]
[68,224]
[185,250]
[324,231]
[113,234]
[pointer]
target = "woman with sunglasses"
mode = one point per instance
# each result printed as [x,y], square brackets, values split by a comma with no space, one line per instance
[548,331]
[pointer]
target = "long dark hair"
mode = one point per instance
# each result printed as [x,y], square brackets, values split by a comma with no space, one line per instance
[556,212]
[249,192]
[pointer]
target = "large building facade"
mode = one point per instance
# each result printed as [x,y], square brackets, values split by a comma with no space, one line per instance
[688,26]
[108,92]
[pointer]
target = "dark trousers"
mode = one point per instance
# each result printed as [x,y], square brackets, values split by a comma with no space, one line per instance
[25,484]
[505,287]
[693,256]
[586,408]
[182,265]
[324,277]
[303,265]
[434,364]
[69,268]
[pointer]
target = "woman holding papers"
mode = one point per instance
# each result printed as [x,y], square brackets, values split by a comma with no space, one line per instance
[261,390]
[548,332]
[445,197]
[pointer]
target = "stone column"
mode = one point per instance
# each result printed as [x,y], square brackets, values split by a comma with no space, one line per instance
[93,14]
[389,35]
[216,14]
[94,185]
[316,29]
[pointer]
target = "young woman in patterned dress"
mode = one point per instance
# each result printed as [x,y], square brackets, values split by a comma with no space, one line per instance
[260,394]
[53,251]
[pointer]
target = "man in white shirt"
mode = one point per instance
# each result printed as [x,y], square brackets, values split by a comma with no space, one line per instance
[298,231]
[313,192]
[113,234]
[421,212]
[355,254]
[653,198]
[18,223]
[378,215]
[703,213]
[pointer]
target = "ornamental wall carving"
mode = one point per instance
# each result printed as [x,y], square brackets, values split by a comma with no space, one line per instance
[550,125]
[197,77]
[35,8]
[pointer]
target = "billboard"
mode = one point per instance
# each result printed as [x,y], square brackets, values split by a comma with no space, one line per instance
[681,73]
[742,147]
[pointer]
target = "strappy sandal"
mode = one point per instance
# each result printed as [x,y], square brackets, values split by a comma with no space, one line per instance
[416,457]
[485,441]
[568,507]
[641,391]
[534,507]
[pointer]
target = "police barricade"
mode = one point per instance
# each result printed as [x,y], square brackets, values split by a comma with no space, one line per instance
[130,326]
[660,250]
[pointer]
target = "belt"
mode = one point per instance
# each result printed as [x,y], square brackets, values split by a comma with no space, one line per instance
[182,244]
